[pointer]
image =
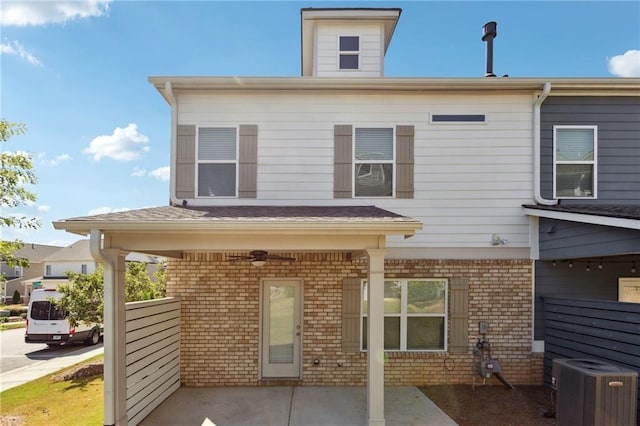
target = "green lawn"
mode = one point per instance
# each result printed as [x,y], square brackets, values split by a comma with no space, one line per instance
[43,402]
[11,325]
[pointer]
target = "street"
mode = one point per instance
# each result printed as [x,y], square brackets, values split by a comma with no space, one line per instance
[29,358]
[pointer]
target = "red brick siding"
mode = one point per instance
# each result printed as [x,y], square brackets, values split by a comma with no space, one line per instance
[221,305]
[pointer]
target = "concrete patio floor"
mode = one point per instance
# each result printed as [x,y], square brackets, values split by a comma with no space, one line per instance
[292,406]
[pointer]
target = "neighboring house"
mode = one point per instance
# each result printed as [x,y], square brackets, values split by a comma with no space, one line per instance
[292,203]
[14,276]
[588,212]
[75,257]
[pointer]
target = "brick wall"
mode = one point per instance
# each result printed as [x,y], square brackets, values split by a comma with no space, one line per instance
[221,318]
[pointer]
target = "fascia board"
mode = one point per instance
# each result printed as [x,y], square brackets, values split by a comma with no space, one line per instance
[585,218]
[368,227]
[576,87]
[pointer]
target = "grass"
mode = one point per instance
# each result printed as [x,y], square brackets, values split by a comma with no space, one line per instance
[43,402]
[11,325]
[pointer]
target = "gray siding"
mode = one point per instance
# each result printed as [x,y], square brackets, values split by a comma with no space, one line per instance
[561,239]
[618,121]
[576,282]
[606,331]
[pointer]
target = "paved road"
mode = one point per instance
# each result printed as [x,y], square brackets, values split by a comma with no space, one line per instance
[21,362]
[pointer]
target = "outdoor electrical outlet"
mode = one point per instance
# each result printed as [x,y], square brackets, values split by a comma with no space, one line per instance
[483,327]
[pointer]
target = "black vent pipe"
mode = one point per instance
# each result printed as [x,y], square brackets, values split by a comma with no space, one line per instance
[489,32]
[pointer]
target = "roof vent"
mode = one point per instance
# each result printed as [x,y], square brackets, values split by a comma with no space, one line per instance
[489,32]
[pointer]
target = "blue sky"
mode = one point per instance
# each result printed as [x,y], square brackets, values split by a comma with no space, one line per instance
[75,72]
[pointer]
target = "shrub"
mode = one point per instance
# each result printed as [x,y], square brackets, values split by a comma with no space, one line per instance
[23,315]
[16,312]
[16,297]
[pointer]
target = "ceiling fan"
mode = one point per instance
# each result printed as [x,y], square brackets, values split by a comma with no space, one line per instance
[258,257]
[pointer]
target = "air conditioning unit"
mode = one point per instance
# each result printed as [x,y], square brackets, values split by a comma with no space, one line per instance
[594,393]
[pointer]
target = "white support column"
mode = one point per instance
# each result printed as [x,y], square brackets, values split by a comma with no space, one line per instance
[375,338]
[115,379]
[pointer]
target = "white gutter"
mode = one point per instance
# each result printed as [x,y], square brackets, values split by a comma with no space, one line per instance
[546,88]
[171,98]
[95,248]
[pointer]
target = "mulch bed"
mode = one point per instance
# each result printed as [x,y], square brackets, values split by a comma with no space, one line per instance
[493,405]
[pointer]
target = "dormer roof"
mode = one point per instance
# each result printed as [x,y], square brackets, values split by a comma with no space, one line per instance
[309,17]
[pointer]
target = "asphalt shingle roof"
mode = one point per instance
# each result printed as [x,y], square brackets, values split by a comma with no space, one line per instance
[270,213]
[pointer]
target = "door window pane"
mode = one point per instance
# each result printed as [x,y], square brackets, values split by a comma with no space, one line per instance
[281,324]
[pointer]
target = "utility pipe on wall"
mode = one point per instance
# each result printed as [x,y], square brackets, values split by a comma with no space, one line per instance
[537,196]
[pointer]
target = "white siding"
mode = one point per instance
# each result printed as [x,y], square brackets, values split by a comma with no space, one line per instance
[59,269]
[470,179]
[327,48]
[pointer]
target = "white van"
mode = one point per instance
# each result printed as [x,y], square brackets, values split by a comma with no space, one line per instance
[47,324]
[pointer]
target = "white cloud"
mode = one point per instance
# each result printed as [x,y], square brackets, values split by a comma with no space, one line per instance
[24,13]
[627,65]
[105,210]
[56,161]
[43,208]
[139,172]
[12,47]
[161,173]
[123,144]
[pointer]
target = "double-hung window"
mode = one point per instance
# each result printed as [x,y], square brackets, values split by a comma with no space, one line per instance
[349,52]
[414,314]
[217,156]
[574,158]
[373,162]
[47,270]
[83,268]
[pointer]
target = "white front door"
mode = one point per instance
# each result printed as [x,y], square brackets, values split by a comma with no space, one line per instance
[281,327]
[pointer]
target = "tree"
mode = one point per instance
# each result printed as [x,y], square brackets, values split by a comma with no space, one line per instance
[83,296]
[16,171]
[16,297]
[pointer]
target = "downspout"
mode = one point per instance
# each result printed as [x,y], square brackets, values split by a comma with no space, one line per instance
[171,98]
[537,196]
[95,247]
[546,88]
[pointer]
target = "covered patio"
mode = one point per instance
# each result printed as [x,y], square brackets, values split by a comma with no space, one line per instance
[293,406]
[359,231]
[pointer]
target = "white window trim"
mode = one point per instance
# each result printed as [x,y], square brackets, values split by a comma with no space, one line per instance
[198,161]
[349,52]
[356,161]
[593,162]
[404,315]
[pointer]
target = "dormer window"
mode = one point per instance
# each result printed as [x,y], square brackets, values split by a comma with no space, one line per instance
[349,52]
